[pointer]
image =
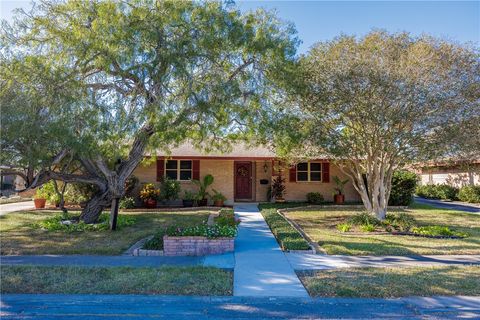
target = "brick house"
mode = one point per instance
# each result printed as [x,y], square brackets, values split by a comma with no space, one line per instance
[245,174]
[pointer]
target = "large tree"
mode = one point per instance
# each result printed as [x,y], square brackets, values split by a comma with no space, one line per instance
[133,76]
[378,102]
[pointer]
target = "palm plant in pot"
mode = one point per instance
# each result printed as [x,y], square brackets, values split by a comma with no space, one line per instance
[202,194]
[278,189]
[188,198]
[218,198]
[339,198]
[149,194]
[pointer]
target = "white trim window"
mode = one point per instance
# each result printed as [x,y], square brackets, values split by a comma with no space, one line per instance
[309,172]
[180,170]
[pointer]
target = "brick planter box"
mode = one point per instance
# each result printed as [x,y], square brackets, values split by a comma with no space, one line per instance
[196,246]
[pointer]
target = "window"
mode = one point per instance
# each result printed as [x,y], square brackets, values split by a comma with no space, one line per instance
[178,169]
[309,171]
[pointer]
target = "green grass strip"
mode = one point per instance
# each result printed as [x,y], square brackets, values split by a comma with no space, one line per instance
[287,236]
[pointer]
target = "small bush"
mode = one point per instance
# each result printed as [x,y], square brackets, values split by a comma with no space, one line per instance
[226,218]
[287,236]
[55,223]
[401,221]
[155,243]
[314,198]
[469,194]
[403,188]
[169,189]
[367,227]
[437,191]
[127,203]
[363,218]
[344,227]
[438,231]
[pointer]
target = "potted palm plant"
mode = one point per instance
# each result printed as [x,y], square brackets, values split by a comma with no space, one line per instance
[218,198]
[149,194]
[278,189]
[339,198]
[202,194]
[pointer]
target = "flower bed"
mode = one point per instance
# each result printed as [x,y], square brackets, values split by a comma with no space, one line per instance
[197,240]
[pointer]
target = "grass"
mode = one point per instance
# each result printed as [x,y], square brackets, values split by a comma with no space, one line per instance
[14,200]
[287,236]
[393,282]
[320,225]
[116,280]
[19,236]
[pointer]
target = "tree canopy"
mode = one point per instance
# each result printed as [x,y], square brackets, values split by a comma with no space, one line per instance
[102,82]
[383,100]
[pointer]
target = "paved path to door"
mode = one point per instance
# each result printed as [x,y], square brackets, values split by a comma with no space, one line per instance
[460,206]
[324,262]
[71,307]
[261,268]
[17,206]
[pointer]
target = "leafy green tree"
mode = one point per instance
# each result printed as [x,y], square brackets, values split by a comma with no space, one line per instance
[137,76]
[378,102]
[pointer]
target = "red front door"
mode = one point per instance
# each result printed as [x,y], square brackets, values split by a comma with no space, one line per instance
[243,180]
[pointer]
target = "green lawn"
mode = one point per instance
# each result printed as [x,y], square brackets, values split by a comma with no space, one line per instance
[320,225]
[116,280]
[18,236]
[393,282]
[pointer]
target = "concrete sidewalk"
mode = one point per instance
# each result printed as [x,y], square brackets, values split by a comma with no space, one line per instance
[224,261]
[261,268]
[324,262]
[17,206]
[53,306]
[460,206]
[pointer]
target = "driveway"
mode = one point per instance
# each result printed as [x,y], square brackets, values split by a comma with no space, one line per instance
[54,306]
[17,206]
[460,206]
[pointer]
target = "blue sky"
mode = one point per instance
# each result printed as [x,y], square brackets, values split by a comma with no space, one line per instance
[323,20]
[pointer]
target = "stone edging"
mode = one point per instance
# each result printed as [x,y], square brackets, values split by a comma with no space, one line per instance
[196,246]
[332,206]
[314,247]
[144,252]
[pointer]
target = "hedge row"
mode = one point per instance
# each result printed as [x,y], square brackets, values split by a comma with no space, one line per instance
[287,236]
[446,192]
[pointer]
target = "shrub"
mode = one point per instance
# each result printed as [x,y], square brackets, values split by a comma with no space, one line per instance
[437,191]
[169,189]
[400,221]
[367,227]
[438,231]
[287,236]
[403,188]
[314,197]
[46,191]
[363,218]
[469,194]
[55,223]
[278,188]
[127,203]
[226,218]
[155,243]
[79,193]
[344,227]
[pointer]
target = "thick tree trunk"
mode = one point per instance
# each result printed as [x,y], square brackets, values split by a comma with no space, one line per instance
[95,206]
[375,191]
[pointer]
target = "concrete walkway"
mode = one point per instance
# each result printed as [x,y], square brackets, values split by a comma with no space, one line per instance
[460,206]
[261,268]
[224,261]
[53,306]
[323,262]
[17,206]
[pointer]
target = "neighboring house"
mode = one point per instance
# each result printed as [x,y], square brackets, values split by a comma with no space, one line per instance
[455,173]
[245,174]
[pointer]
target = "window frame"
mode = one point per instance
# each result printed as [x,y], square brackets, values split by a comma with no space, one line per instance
[309,171]
[178,169]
